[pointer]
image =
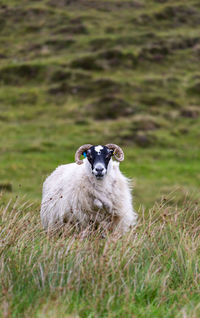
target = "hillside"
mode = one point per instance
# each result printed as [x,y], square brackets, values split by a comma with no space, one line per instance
[126,72]
[96,71]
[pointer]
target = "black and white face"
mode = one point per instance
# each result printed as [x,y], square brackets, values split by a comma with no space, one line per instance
[99,158]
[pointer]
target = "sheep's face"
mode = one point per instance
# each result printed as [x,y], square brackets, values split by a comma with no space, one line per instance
[99,158]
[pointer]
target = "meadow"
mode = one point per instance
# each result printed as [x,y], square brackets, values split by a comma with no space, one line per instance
[116,71]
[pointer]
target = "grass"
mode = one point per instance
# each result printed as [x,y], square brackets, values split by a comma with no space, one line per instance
[107,72]
[153,271]
[117,71]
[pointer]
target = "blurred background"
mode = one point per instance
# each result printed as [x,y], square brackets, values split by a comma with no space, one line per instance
[94,71]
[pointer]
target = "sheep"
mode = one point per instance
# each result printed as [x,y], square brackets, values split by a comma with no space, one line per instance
[92,190]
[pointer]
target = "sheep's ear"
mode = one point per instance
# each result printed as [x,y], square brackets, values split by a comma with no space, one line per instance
[111,151]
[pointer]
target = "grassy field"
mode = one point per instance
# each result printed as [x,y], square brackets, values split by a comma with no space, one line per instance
[116,71]
[153,271]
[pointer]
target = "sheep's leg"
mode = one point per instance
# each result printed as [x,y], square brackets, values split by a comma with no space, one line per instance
[98,204]
[123,223]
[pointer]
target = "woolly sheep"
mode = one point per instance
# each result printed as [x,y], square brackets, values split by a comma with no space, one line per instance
[90,190]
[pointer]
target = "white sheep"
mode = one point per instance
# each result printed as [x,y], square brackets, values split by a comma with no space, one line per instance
[90,190]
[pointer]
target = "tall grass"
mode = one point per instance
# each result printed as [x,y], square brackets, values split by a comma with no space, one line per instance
[152,271]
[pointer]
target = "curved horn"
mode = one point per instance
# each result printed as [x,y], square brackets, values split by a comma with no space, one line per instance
[79,152]
[118,152]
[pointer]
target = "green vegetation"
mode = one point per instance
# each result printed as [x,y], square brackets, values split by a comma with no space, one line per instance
[101,71]
[97,71]
[153,271]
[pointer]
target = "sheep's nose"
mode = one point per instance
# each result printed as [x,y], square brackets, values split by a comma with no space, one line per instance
[99,169]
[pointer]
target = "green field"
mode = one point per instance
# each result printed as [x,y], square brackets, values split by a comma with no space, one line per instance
[116,71]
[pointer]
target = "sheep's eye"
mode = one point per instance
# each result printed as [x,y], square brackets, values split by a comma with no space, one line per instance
[108,155]
[111,153]
[89,157]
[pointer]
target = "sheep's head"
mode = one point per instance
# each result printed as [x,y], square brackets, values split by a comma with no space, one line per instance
[99,157]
